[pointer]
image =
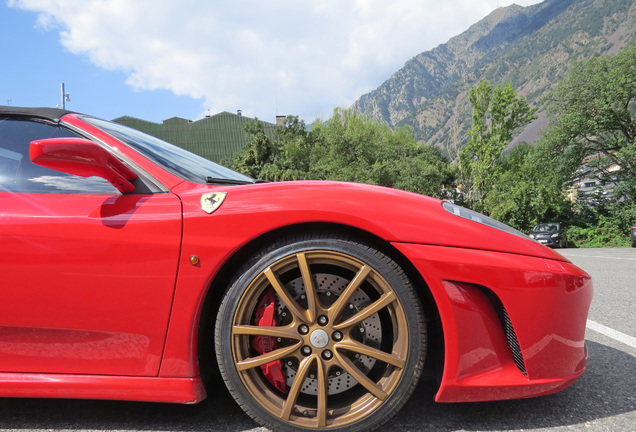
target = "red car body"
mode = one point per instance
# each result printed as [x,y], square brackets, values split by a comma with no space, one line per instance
[103,295]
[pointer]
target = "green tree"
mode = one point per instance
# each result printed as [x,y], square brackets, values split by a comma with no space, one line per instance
[346,147]
[592,133]
[604,227]
[258,154]
[405,164]
[526,191]
[350,147]
[496,114]
[286,157]
[294,145]
[593,114]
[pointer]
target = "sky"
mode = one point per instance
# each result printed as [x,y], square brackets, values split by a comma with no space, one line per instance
[157,59]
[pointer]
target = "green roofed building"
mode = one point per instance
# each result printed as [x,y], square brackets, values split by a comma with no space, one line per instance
[216,137]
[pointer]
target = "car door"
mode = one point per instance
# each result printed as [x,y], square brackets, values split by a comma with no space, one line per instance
[88,274]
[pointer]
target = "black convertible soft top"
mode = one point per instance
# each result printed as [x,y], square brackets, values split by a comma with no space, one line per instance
[50,114]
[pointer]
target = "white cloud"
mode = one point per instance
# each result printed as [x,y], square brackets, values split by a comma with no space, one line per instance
[289,56]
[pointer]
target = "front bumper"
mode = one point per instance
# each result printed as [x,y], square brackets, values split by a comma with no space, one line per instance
[546,302]
[549,241]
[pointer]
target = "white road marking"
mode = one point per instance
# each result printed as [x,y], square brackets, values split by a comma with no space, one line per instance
[611,333]
[599,256]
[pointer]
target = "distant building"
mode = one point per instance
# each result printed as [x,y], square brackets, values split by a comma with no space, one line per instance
[593,180]
[216,137]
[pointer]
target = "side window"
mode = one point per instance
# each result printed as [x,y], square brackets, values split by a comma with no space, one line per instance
[19,174]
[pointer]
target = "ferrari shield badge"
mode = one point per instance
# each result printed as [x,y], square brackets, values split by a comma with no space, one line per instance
[212,201]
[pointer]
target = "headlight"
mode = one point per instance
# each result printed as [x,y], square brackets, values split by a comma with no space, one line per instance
[555,235]
[479,218]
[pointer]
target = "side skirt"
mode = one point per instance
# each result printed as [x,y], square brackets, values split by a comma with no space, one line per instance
[142,389]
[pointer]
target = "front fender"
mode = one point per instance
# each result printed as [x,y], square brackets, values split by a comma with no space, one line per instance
[251,211]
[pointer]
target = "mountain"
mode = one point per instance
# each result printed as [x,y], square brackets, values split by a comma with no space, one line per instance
[531,47]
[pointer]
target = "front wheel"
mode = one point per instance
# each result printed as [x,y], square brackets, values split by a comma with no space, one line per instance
[320,333]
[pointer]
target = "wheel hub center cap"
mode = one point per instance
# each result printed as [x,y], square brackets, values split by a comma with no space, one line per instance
[319,338]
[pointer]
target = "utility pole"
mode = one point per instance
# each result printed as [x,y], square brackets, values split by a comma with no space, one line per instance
[65,97]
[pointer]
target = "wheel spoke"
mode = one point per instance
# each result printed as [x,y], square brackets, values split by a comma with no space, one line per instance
[271,356]
[291,304]
[384,300]
[322,395]
[287,332]
[336,308]
[353,346]
[360,377]
[310,288]
[292,396]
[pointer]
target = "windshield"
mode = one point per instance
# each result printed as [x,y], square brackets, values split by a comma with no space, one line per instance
[173,159]
[546,227]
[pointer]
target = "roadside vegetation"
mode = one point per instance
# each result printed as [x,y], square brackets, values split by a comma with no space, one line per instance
[590,140]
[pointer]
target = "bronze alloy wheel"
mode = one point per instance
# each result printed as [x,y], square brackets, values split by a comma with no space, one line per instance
[321,333]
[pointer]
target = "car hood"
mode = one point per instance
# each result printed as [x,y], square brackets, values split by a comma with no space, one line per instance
[393,215]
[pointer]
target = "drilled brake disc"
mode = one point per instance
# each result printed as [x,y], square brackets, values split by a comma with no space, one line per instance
[328,289]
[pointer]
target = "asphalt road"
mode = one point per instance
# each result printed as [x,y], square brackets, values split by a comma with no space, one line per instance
[604,399]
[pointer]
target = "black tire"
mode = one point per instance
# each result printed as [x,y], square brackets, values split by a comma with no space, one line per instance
[356,336]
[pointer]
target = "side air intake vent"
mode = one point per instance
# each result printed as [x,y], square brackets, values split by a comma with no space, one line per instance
[511,336]
[513,342]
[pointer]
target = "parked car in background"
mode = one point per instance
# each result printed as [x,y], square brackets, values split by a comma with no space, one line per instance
[634,235]
[550,234]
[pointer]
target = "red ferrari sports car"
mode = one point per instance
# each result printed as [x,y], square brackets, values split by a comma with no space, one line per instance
[131,269]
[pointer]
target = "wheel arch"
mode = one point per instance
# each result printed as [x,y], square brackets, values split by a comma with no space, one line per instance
[223,279]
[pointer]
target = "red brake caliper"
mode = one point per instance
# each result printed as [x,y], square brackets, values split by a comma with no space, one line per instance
[273,371]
